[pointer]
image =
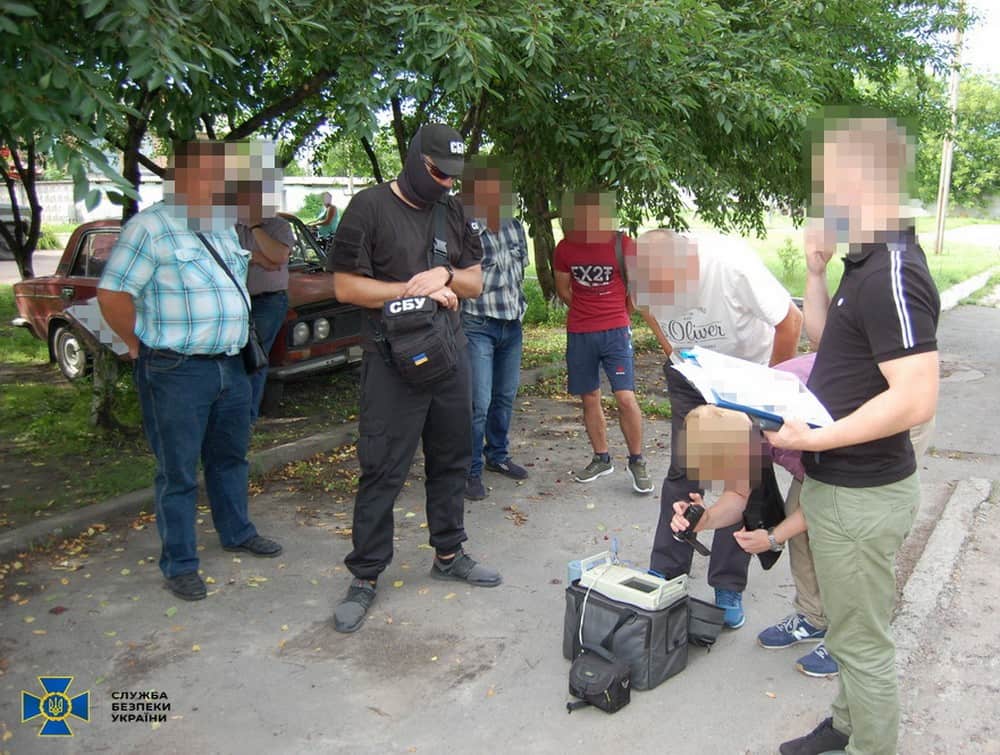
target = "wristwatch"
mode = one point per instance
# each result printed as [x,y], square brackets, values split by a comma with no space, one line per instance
[775,545]
[451,274]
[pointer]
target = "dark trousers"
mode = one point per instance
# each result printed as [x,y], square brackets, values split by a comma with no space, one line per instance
[268,310]
[195,408]
[727,566]
[394,418]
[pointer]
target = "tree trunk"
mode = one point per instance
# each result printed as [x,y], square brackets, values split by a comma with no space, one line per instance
[539,219]
[130,163]
[21,244]
[102,399]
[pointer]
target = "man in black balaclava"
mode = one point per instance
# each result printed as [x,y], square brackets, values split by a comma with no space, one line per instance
[380,254]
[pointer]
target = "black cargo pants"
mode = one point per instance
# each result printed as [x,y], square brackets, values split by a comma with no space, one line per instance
[394,417]
[727,566]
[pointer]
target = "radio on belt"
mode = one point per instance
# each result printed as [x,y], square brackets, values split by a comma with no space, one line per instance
[628,585]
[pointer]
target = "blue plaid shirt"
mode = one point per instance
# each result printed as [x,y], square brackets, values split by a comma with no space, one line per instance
[505,255]
[184,301]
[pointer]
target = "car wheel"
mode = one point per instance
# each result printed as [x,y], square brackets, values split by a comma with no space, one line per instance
[271,399]
[70,355]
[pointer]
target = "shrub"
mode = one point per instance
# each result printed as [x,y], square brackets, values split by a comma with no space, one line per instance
[790,256]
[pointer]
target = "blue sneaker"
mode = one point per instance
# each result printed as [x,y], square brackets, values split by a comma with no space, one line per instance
[732,601]
[791,630]
[818,663]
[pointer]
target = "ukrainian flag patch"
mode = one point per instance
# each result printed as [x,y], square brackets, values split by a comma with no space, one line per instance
[420,359]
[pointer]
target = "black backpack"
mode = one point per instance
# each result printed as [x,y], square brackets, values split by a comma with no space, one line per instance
[600,679]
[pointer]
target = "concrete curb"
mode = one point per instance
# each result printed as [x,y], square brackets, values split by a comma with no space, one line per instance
[932,576]
[952,296]
[72,523]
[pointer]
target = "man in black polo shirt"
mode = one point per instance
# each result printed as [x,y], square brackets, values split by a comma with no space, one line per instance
[380,253]
[876,372]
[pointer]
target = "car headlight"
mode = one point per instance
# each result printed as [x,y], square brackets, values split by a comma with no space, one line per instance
[300,334]
[321,328]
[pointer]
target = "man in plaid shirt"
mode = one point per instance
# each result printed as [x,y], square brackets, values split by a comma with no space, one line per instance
[184,321]
[492,323]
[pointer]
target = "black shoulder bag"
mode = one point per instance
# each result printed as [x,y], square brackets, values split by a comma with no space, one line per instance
[600,679]
[254,356]
[414,335]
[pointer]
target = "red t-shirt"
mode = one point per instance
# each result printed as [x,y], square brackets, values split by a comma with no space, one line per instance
[598,290]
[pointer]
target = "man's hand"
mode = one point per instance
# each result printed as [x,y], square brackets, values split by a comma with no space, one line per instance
[427,283]
[261,261]
[679,522]
[820,244]
[753,541]
[443,296]
[794,435]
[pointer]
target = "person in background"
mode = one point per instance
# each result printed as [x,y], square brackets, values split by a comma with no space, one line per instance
[269,240]
[492,322]
[598,330]
[326,224]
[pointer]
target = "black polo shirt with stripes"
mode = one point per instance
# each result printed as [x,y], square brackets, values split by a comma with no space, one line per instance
[886,307]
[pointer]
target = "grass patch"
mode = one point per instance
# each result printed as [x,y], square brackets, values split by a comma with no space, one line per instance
[957,263]
[17,345]
[985,291]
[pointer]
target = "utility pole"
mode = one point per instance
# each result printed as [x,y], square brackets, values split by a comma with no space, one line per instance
[948,148]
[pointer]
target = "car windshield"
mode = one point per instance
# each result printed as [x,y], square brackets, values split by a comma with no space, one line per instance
[307,250]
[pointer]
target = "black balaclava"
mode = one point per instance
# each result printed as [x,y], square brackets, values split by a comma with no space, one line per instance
[415,181]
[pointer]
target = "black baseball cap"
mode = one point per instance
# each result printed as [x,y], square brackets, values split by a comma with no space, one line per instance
[443,145]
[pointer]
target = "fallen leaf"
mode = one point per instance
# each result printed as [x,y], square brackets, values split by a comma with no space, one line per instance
[29,619]
[434,657]
[169,613]
[771,695]
[449,596]
[284,627]
[209,580]
[398,583]
[40,631]
[111,633]
[57,610]
[196,648]
[590,505]
[126,572]
[490,692]
[409,515]
[425,547]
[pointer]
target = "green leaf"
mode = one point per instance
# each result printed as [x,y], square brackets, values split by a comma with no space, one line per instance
[19,9]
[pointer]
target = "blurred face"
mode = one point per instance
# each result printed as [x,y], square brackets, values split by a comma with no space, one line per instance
[858,178]
[720,446]
[665,271]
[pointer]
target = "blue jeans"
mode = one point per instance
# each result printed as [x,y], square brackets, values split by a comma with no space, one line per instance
[269,312]
[495,364]
[195,407]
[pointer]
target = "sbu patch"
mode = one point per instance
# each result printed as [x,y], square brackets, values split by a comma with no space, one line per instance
[416,339]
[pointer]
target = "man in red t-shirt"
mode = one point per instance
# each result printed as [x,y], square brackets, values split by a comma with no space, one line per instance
[598,331]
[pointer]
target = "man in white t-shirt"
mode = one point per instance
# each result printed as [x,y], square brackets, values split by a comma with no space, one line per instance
[717,294]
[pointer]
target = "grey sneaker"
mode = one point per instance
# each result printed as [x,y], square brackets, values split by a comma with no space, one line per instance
[462,568]
[350,613]
[640,477]
[596,468]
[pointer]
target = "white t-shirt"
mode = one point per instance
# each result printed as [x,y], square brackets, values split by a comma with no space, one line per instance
[739,303]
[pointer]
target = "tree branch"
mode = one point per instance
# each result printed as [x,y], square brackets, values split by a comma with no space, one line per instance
[309,88]
[372,158]
[207,122]
[398,128]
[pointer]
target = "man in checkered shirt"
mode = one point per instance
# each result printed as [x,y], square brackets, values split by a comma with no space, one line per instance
[492,323]
[184,321]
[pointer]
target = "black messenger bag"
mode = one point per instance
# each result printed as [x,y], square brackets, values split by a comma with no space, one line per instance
[420,340]
[599,678]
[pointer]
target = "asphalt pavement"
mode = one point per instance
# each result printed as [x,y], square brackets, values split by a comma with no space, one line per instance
[257,666]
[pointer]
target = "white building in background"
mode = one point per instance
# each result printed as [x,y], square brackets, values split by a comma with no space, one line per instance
[56,197]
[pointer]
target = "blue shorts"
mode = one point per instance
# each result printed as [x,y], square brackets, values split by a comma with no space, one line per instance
[586,352]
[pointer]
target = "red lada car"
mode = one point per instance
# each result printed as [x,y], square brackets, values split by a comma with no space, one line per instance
[319,333]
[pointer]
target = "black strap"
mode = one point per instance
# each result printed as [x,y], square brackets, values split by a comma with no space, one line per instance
[438,253]
[576,705]
[620,256]
[622,620]
[224,266]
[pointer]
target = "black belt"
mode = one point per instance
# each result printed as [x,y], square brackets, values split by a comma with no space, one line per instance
[177,354]
[267,293]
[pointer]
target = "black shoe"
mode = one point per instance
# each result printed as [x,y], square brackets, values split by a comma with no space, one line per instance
[821,739]
[188,586]
[508,469]
[462,568]
[474,490]
[264,547]
[350,613]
